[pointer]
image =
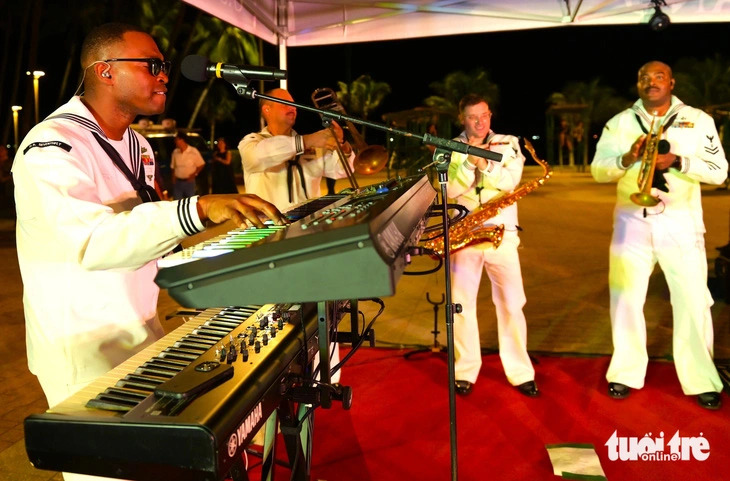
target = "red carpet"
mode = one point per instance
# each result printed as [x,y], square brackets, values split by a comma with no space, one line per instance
[398,426]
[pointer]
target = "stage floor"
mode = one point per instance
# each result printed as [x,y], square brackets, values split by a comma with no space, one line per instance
[564,255]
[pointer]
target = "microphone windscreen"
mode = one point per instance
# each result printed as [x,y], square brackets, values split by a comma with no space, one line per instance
[194,67]
[663,147]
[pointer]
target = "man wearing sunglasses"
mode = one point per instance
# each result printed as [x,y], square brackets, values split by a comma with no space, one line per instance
[90,228]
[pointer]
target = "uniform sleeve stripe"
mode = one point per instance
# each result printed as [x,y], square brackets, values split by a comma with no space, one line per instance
[185,216]
[298,144]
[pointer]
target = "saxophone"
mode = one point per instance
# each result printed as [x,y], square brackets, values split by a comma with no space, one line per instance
[471,230]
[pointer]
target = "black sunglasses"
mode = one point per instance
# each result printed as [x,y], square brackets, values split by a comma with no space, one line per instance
[154,64]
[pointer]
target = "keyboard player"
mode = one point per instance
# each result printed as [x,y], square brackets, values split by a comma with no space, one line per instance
[89,226]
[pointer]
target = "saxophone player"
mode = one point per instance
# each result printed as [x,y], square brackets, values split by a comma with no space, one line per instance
[472,182]
[670,233]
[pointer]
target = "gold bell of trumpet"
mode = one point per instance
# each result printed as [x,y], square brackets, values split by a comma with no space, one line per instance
[653,146]
[369,158]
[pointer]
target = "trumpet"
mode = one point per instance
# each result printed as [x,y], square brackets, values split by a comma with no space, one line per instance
[369,158]
[653,146]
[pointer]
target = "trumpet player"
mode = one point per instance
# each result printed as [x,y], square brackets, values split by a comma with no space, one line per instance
[671,232]
[472,182]
[284,167]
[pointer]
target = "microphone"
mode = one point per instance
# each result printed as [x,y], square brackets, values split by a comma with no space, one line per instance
[198,69]
[461,147]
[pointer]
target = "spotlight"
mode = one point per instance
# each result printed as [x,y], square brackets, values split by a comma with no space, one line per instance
[659,21]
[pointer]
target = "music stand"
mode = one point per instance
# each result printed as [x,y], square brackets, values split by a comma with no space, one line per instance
[436,347]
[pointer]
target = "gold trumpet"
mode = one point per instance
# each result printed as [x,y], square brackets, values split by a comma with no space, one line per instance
[648,166]
[369,158]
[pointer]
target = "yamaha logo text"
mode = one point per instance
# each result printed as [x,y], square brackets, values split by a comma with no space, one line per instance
[244,429]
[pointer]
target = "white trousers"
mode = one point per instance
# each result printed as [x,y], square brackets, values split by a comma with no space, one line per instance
[637,245]
[508,295]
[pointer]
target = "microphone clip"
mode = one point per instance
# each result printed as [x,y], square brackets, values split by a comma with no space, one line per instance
[244,90]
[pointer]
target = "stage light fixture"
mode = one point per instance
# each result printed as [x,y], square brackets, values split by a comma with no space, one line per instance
[659,21]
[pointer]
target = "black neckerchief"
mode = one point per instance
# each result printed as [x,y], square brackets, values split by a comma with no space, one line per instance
[145,192]
[658,181]
[290,177]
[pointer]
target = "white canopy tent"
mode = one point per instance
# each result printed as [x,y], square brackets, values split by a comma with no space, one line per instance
[291,23]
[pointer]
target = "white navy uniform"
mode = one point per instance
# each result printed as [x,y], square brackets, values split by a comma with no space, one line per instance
[87,248]
[265,159]
[670,233]
[277,169]
[470,189]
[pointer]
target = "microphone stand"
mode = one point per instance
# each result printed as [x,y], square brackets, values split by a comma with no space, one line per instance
[442,158]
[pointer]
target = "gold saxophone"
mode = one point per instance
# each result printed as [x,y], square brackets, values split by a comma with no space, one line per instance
[471,229]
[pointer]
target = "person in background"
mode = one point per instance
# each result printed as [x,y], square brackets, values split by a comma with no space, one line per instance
[670,232]
[7,208]
[186,164]
[286,168]
[472,182]
[223,180]
[89,227]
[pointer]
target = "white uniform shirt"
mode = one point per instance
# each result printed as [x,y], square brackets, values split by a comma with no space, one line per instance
[692,136]
[503,179]
[87,246]
[184,164]
[264,158]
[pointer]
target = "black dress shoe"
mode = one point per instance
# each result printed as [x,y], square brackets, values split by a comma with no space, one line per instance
[617,390]
[463,387]
[709,400]
[528,388]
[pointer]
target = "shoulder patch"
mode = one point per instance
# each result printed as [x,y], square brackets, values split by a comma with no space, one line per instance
[51,143]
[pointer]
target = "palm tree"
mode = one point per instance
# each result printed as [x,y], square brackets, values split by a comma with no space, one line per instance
[703,82]
[218,108]
[88,15]
[582,106]
[166,22]
[363,96]
[457,84]
[17,31]
[706,84]
[222,42]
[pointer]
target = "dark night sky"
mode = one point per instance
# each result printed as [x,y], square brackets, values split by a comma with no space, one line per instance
[528,65]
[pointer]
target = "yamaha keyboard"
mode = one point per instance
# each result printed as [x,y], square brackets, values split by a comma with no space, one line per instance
[353,248]
[185,407]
